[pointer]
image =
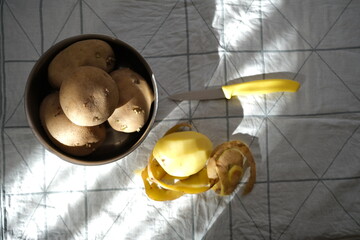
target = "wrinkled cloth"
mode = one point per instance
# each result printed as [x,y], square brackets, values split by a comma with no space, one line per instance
[305,144]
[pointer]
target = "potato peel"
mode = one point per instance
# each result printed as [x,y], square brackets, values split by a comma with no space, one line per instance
[223,172]
[156,193]
[227,164]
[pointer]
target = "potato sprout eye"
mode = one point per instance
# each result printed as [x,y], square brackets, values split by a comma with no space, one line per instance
[138,110]
[106,92]
[110,61]
[134,104]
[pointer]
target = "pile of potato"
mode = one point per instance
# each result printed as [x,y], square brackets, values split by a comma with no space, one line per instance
[90,92]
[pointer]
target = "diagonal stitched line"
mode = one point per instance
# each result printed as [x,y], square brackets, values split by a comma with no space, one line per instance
[342,206]
[341,149]
[246,11]
[207,85]
[97,15]
[62,220]
[342,81]
[278,10]
[124,172]
[292,146]
[22,29]
[168,94]
[52,179]
[298,210]
[168,223]
[294,79]
[31,216]
[66,21]
[17,150]
[332,26]
[213,216]
[324,184]
[67,227]
[161,24]
[207,25]
[249,215]
[237,5]
[257,132]
[16,108]
[117,217]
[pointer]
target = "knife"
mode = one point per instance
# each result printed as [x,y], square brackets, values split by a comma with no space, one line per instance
[238,89]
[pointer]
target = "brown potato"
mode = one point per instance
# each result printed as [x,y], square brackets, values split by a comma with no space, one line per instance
[89,96]
[92,52]
[70,138]
[135,99]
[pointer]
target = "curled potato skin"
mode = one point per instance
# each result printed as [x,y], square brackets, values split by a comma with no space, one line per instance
[135,99]
[70,138]
[154,192]
[91,52]
[227,164]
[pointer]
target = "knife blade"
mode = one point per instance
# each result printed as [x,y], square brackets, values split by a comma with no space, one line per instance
[246,88]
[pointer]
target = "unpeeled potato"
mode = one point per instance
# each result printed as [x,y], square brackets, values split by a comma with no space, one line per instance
[89,96]
[69,137]
[135,99]
[91,52]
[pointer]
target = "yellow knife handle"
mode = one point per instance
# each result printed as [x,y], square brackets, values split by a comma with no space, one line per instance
[260,87]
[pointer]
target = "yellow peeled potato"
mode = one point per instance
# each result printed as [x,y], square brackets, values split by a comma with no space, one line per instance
[135,99]
[67,136]
[182,154]
[89,96]
[91,52]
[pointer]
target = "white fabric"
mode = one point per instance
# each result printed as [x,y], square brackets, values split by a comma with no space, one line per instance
[306,144]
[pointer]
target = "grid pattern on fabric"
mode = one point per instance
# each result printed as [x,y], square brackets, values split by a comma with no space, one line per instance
[306,145]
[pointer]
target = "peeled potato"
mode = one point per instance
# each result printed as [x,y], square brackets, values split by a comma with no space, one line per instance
[182,154]
[189,151]
[92,52]
[67,136]
[135,99]
[89,96]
